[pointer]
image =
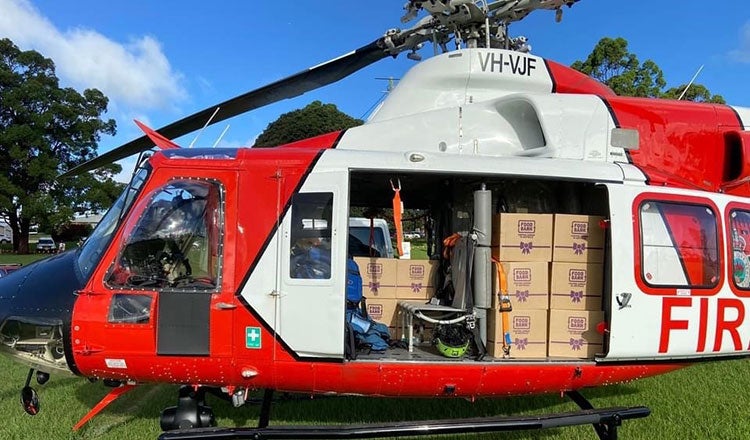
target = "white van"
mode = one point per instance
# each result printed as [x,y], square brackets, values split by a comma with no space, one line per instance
[6,234]
[360,235]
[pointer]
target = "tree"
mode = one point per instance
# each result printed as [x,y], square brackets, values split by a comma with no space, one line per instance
[44,130]
[696,92]
[315,119]
[612,64]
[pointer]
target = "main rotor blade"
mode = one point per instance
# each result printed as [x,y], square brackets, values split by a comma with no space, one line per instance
[295,85]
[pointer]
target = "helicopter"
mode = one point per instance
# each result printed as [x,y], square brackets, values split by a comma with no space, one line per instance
[633,212]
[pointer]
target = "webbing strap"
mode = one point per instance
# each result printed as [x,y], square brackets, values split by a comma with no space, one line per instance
[398,209]
[504,305]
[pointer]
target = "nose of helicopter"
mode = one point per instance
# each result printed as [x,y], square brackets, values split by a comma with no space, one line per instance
[36,306]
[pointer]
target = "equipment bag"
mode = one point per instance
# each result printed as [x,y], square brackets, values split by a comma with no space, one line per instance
[368,333]
[353,284]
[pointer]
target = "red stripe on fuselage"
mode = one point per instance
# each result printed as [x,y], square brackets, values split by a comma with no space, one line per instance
[567,80]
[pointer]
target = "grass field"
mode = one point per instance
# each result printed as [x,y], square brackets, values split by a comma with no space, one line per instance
[705,401]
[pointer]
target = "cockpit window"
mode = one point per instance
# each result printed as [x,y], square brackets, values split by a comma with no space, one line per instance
[176,241]
[92,249]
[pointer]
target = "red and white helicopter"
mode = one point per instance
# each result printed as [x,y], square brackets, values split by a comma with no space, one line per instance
[188,278]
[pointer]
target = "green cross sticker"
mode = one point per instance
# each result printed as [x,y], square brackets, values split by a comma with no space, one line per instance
[252,337]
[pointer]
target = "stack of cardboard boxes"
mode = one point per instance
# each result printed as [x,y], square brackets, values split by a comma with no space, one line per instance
[385,281]
[576,286]
[553,267]
[523,243]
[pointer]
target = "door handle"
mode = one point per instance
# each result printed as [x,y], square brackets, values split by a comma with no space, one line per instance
[225,306]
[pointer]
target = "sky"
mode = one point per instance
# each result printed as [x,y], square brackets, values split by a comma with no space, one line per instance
[159,61]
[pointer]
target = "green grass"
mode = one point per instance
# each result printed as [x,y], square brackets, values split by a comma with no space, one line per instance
[21,258]
[708,400]
[704,401]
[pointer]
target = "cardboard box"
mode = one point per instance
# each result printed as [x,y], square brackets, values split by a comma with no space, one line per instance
[528,332]
[383,310]
[578,238]
[528,284]
[576,286]
[572,333]
[415,279]
[378,277]
[522,237]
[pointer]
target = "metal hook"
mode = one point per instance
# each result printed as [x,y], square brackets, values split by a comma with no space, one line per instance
[394,187]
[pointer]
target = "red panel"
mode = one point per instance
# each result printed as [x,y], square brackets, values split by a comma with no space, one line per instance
[681,142]
[567,80]
[327,140]
[690,242]
[687,242]
[466,379]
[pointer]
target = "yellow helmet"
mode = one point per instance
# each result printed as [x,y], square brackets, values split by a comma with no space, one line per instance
[452,340]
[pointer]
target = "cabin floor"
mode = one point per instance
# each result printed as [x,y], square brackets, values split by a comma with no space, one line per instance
[428,353]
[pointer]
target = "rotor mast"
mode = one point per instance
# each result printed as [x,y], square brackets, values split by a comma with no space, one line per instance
[469,23]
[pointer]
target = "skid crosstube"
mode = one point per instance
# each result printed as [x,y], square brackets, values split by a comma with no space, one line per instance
[605,421]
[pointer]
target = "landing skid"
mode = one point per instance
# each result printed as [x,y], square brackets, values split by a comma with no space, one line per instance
[605,422]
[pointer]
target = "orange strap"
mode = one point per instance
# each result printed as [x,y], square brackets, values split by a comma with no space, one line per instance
[398,209]
[448,244]
[502,281]
[504,305]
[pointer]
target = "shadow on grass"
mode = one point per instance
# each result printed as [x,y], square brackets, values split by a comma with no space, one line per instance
[299,409]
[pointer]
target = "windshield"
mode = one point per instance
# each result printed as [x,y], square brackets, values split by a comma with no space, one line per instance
[359,242]
[176,240]
[94,246]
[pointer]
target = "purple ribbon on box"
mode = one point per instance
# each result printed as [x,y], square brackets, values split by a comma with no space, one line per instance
[526,247]
[521,343]
[522,295]
[576,295]
[416,287]
[374,286]
[576,344]
[579,248]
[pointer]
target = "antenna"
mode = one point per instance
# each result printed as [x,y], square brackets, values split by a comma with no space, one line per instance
[221,136]
[204,127]
[391,83]
[690,83]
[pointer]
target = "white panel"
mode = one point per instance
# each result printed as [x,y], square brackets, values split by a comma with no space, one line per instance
[744,114]
[311,311]
[662,266]
[520,124]
[460,77]
[472,165]
[260,287]
[653,230]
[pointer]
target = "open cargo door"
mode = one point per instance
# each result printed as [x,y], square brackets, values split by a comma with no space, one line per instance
[668,298]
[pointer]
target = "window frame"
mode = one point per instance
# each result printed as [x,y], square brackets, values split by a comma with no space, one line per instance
[292,217]
[142,207]
[672,289]
[742,292]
